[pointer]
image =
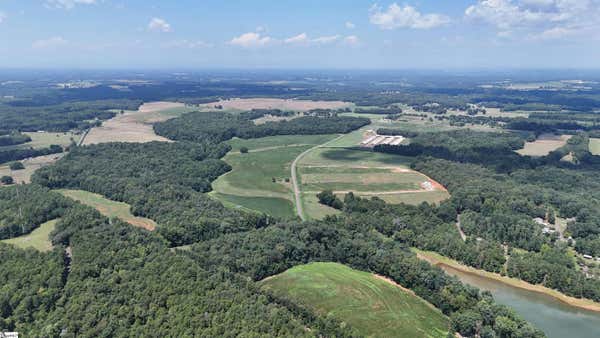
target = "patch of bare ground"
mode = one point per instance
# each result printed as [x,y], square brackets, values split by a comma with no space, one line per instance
[132,126]
[282,104]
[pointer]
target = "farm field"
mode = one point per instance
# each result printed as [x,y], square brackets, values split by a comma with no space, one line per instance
[257,180]
[374,306]
[544,144]
[45,139]
[595,146]
[109,208]
[136,126]
[37,239]
[271,103]
[31,165]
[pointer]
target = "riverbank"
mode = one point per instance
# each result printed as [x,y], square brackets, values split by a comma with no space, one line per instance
[441,261]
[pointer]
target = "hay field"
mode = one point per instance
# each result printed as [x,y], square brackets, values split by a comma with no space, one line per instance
[45,139]
[595,146]
[282,104]
[372,305]
[249,185]
[109,208]
[31,165]
[38,239]
[544,144]
[136,126]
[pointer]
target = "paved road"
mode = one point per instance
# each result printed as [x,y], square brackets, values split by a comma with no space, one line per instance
[297,196]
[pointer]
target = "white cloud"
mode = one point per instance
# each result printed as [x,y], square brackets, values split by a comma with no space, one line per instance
[544,19]
[352,40]
[68,4]
[350,25]
[298,39]
[53,42]
[251,39]
[405,17]
[188,44]
[326,39]
[159,25]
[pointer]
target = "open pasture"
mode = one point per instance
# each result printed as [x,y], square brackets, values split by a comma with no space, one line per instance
[38,239]
[281,104]
[45,139]
[109,208]
[359,179]
[372,305]
[136,126]
[595,146]
[31,165]
[544,144]
[260,179]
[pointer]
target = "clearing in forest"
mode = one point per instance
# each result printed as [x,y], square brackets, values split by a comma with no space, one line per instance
[281,104]
[372,305]
[44,139]
[31,165]
[260,179]
[38,239]
[109,208]
[544,144]
[595,146]
[136,126]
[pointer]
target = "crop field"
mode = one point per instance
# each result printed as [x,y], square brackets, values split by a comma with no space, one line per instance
[109,208]
[544,144]
[37,239]
[595,146]
[136,126]
[359,179]
[31,165]
[258,178]
[374,306]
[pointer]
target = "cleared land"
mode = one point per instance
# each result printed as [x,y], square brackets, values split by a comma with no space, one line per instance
[37,239]
[372,305]
[282,104]
[595,146]
[45,139]
[110,208]
[258,178]
[136,126]
[436,259]
[31,165]
[544,144]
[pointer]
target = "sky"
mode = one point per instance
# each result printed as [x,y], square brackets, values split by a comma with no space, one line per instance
[301,34]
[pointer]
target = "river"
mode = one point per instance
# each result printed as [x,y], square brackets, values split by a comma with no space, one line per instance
[555,318]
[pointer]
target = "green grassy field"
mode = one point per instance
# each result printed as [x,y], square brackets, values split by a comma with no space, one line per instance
[45,139]
[543,145]
[595,146]
[250,184]
[37,239]
[372,306]
[109,208]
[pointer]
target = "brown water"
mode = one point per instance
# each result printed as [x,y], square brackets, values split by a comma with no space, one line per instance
[555,318]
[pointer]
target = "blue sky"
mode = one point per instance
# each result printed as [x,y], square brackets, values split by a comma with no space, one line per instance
[300,34]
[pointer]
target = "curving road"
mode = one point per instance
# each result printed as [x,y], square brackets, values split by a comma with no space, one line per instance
[297,196]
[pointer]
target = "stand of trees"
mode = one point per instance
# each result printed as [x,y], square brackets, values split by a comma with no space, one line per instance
[19,154]
[14,139]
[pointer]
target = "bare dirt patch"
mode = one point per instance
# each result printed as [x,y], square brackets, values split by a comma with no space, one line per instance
[132,126]
[282,104]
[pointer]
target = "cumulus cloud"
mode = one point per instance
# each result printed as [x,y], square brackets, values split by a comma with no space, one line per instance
[159,25]
[53,42]
[352,40]
[68,4]
[184,43]
[350,25]
[301,38]
[250,40]
[545,19]
[304,40]
[405,17]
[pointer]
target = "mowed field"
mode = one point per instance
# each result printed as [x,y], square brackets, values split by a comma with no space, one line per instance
[372,305]
[38,239]
[595,146]
[259,179]
[136,126]
[544,144]
[270,103]
[45,139]
[109,208]
[31,165]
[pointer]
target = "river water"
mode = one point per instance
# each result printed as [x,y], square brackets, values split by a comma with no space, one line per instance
[555,318]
